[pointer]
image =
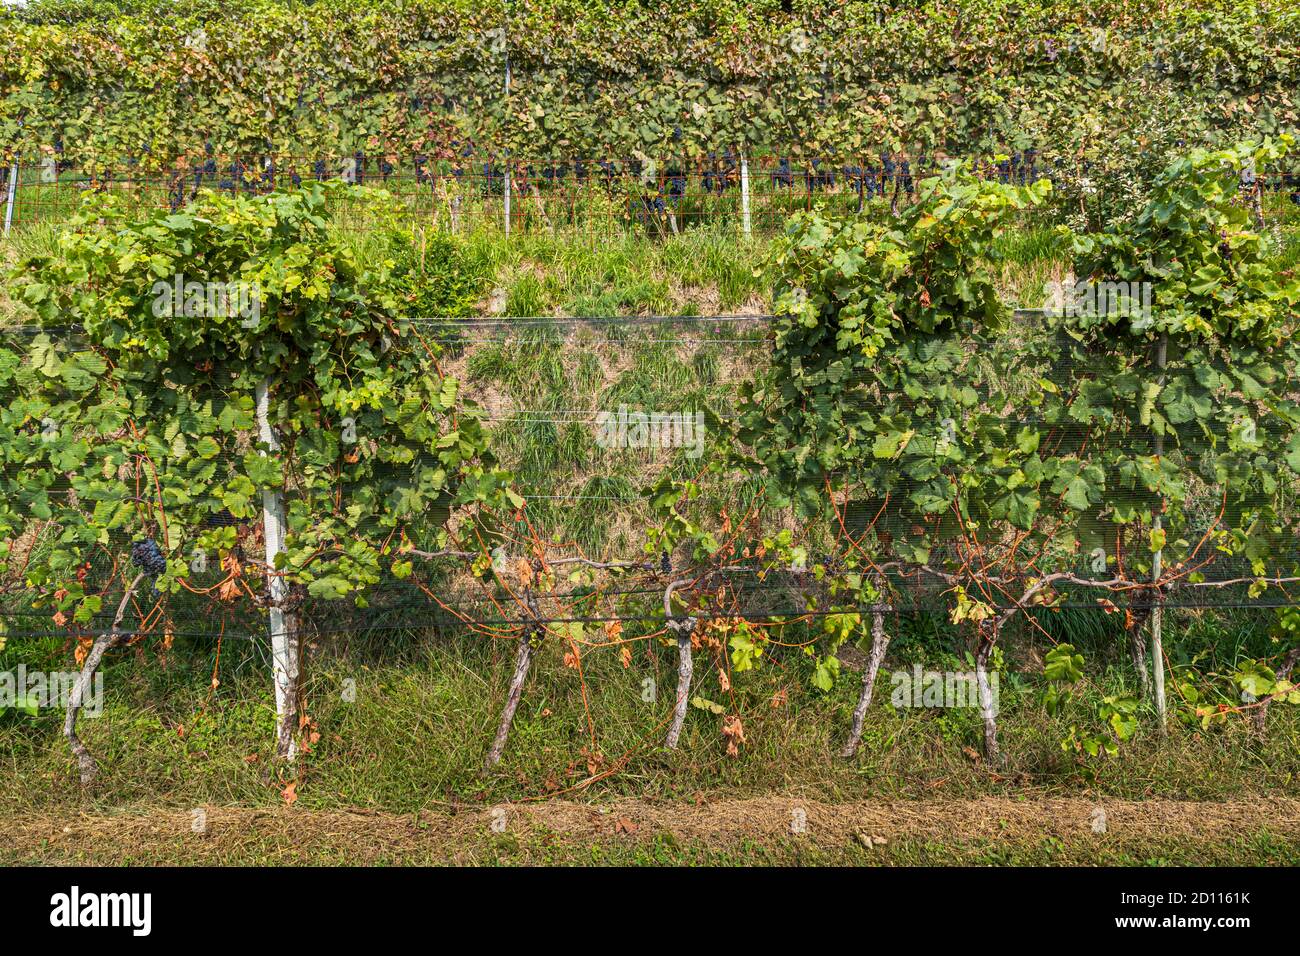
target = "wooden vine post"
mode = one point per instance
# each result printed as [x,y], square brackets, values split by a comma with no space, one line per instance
[879,645]
[988,636]
[285,647]
[76,697]
[523,661]
[685,664]
[1283,674]
[528,640]
[1138,652]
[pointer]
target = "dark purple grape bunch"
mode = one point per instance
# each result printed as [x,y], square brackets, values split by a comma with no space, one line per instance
[818,178]
[905,179]
[494,178]
[149,559]
[676,184]
[665,564]
[784,175]
[221,519]
[890,168]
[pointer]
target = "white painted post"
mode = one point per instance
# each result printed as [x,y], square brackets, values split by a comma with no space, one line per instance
[507,179]
[284,627]
[1157,568]
[9,202]
[744,195]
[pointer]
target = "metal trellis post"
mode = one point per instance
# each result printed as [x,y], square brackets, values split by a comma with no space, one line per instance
[1157,568]
[284,629]
[9,201]
[744,196]
[507,152]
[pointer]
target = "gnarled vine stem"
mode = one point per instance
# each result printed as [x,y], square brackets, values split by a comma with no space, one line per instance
[86,763]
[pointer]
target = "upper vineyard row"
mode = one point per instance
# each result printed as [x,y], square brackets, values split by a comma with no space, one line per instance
[666,195]
[1119,84]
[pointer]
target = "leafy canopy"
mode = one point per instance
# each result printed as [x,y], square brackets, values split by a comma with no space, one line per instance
[130,413]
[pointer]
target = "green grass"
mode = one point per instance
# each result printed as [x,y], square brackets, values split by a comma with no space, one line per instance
[702,271]
[540,846]
[426,706]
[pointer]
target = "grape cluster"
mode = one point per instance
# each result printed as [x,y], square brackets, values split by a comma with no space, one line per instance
[783,175]
[222,519]
[818,178]
[1020,169]
[148,558]
[665,564]
[1029,166]
[856,177]
[905,178]
[676,184]
[721,174]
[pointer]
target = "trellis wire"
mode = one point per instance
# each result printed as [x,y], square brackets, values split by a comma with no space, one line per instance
[183,619]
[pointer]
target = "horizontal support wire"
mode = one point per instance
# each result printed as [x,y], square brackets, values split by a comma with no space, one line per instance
[1174,596]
